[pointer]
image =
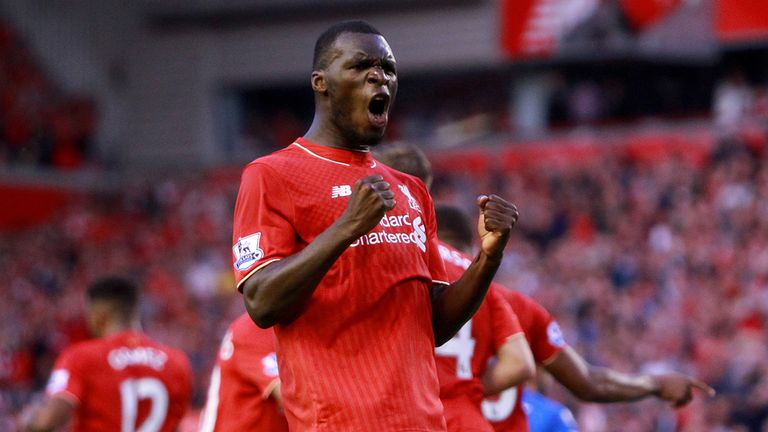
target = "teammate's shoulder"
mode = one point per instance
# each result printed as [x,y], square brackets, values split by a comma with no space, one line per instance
[453,256]
[246,332]
[515,297]
[402,177]
[244,325]
[83,349]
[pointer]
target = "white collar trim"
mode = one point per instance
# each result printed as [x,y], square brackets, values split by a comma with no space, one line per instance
[317,155]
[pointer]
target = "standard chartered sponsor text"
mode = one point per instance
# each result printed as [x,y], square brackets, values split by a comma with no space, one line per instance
[417,236]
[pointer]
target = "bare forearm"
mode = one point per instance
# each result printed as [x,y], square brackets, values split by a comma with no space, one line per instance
[596,384]
[513,366]
[51,415]
[612,386]
[458,302]
[279,292]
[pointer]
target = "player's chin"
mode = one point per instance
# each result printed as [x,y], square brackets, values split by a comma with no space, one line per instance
[372,136]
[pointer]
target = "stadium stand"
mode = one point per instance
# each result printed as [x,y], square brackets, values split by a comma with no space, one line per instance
[40,125]
[652,256]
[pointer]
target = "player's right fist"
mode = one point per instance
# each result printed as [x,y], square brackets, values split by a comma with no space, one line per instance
[371,198]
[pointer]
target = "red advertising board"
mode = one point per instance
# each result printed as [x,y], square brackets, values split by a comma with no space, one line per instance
[741,20]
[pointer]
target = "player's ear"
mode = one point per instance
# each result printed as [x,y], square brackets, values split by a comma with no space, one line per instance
[319,84]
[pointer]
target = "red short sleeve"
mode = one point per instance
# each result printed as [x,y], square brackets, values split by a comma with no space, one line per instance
[66,378]
[254,354]
[546,339]
[436,264]
[541,330]
[263,230]
[504,321]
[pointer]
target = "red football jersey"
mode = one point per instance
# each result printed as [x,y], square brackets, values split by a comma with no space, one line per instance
[505,411]
[242,382]
[462,361]
[124,382]
[360,356]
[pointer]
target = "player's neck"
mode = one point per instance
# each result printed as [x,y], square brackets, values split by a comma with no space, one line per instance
[117,327]
[324,133]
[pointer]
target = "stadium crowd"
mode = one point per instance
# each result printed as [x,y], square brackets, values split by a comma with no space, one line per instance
[40,124]
[650,265]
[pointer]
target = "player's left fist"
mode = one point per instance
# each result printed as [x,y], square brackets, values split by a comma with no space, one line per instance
[497,217]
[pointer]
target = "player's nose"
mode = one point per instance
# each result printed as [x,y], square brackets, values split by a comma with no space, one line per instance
[377,76]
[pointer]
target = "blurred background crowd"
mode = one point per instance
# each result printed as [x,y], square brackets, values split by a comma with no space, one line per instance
[642,187]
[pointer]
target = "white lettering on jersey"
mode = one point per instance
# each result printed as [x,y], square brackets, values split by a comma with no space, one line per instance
[454,257]
[121,358]
[394,221]
[461,346]
[411,200]
[341,191]
[419,234]
[247,251]
[500,409]
[227,347]
[58,381]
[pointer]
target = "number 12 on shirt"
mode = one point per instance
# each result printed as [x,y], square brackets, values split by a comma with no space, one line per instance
[133,390]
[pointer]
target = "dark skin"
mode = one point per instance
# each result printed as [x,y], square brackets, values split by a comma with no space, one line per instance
[360,67]
[597,384]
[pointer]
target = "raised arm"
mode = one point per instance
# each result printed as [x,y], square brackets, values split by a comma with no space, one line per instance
[454,304]
[597,384]
[278,293]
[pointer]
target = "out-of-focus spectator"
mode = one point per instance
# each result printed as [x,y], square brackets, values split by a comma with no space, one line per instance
[732,100]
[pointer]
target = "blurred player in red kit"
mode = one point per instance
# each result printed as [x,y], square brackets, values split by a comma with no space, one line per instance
[463,362]
[122,381]
[587,382]
[244,393]
[493,332]
[339,253]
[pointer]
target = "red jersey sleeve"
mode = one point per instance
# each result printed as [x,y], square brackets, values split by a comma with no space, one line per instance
[67,378]
[263,230]
[436,264]
[545,337]
[504,321]
[256,360]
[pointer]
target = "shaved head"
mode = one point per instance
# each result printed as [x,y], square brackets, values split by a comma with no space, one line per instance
[324,44]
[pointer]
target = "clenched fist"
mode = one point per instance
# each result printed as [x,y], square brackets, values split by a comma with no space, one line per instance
[497,217]
[371,198]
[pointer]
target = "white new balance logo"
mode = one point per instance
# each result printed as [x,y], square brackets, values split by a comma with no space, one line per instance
[340,191]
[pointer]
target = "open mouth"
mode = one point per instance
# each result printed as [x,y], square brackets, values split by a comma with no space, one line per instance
[377,110]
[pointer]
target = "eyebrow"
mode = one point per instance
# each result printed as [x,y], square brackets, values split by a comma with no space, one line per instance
[334,54]
[362,55]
